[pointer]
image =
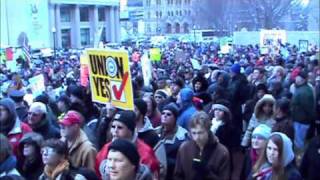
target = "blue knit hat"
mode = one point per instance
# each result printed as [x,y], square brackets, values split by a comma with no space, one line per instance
[262,130]
[235,68]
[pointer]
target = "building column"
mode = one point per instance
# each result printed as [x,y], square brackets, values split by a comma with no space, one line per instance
[75,29]
[107,24]
[57,25]
[112,24]
[94,26]
[117,24]
[52,25]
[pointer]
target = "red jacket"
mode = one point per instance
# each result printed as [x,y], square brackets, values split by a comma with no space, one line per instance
[16,133]
[146,153]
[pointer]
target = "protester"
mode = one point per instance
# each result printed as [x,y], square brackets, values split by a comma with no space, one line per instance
[81,152]
[38,121]
[8,162]
[10,125]
[21,108]
[171,135]
[31,166]
[123,127]
[123,162]
[203,157]
[276,160]
[259,138]
[153,112]
[187,109]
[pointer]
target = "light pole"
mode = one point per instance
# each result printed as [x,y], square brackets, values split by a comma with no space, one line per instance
[194,33]
[54,41]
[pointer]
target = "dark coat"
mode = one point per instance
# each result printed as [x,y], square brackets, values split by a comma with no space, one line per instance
[47,130]
[310,164]
[284,125]
[213,163]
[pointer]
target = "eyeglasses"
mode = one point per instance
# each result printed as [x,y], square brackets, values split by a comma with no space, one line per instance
[47,150]
[166,113]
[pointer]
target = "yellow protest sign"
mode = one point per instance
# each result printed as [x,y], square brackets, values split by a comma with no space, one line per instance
[110,78]
[155,54]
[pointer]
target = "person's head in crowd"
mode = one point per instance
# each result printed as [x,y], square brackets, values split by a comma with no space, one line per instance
[123,125]
[265,107]
[235,69]
[258,74]
[169,115]
[17,95]
[199,83]
[301,78]
[282,108]
[278,72]
[8,115]
[63,103]
[151,105]
[199,128]
[140,108]
[222,78]
[176,86]
[77,94]
[217,92]
[37,112]
[185,97]
[261,90]
[277,154]
[160,96]
[6,149]
[54,153]
[260,136]
[221,116]
[43,98]
[188,74]
[30,146]
[70,125]
[162,83]
[122,161]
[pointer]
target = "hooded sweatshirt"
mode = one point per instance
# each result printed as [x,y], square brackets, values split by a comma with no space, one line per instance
[187,108]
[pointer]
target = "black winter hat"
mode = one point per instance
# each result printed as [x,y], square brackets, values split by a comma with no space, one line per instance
[141,105]
[77,91]
[173,108]
[127,118]
[128,149]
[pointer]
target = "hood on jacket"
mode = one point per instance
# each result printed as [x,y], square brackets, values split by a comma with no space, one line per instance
[10,106]
[224,109]
[202,80]
[258,111]
[31,138]
[186,95]
[225,77]
[287,151]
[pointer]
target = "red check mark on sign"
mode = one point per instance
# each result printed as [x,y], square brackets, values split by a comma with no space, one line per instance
[118,92]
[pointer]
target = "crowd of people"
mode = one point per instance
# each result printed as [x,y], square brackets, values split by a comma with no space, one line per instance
[242,115]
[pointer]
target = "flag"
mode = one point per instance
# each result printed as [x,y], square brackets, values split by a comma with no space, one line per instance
[26,53]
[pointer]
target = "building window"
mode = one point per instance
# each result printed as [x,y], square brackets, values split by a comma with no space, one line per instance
[65,14]
[148,28]
[160,14]
[186,28]
[169,13]
[148,2]
[157,14]
[85,36]
[65,38]
[168,28]
[103,37]
[101,14]
[180,13]
[149,15]
[177,28]
[84,14]
[177,13]
[158,2]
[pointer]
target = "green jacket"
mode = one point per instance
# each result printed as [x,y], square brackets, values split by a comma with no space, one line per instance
[303,105]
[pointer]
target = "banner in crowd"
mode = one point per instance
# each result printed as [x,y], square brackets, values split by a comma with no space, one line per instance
[110,78]
[303,45]
[195,64]
[37,85]
[272,37]
[84,70]
[146,69]
[180,56]
[155,54]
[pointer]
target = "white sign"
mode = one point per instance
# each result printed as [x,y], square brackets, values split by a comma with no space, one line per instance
[37,85]
[146,69]
[272,37]
[195,64]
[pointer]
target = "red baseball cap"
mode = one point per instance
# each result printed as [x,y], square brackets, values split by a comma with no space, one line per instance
[71,118]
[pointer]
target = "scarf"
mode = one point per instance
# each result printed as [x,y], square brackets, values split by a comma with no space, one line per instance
[254,156]
[41,126]
[52,173]
[215,124]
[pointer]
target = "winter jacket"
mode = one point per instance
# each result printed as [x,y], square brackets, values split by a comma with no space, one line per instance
[172,144]
[303,105]
[16,134]
[82,153]
[259,118]
[143,172]
[310,164]
[46,129]
[8,167]
[146,153]
[284,125]
[187,109]
[148,134]
[212,163]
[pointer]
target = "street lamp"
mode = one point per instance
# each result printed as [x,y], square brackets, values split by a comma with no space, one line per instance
[53,30]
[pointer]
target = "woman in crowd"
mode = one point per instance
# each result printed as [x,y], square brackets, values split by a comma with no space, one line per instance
[263,114]
[8,161]
[259,138]
[153,113]
[276,160]
[31,166]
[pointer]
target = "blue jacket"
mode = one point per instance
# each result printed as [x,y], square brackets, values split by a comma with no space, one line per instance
[187,108]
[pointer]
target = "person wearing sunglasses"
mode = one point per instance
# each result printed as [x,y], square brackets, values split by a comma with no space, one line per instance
[171,135]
